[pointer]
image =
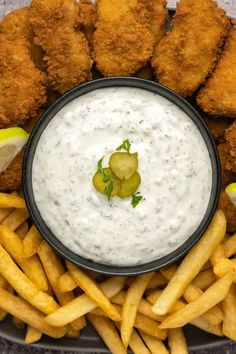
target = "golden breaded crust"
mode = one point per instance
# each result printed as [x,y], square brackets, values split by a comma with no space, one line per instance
[123,41]
[187,55]
[159,17]
[67,56]
[229,210]
[218,97]
[226,175]
[22,86]
[86,20]
[10,179]
[230,137]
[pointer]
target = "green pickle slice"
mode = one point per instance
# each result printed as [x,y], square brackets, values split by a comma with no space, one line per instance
[123,164]
[100,185]
[129,186]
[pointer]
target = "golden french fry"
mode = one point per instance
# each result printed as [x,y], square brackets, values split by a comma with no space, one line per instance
[28,314]
[212,296]
[31,242]
[206,266]
[11,201]
[73,333]
[204,325]
[66,283]
[230,246]
[149,326]
[130,307]
[229,306]
[15,219]
[205,279]
[192,264]
[223,266]
[218,254]
[24,286]
[54,269]
[22,230]
[157,280]
[32,335]
[19,324]
[4,213]
[177,342]
[92,289]
[155,345]
[107,330]
[32,266]
[135,342]
[83,303]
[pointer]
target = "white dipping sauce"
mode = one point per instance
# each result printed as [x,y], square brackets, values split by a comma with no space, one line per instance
[174,164]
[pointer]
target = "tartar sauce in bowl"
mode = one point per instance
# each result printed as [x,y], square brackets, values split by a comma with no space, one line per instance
[173,163]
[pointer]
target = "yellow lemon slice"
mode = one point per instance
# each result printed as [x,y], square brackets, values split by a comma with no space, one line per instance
[231,192]
[12,140]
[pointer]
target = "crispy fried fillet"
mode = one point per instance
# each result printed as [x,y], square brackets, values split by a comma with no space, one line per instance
[230,137]
[159,17]
[22,85]
[10,179]
[123,40]
[218,97]
[67,56]
[226,175]
[186,55]
[17,23]
[229,210]
[86,19]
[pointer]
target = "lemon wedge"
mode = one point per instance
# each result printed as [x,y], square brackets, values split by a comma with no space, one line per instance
[12,140]
[231,192]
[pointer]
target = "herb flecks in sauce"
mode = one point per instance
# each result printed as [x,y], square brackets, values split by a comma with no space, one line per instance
[121,177]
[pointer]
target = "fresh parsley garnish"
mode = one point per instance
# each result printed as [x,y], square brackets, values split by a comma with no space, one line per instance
[136,198]
[125,146]
[106,179]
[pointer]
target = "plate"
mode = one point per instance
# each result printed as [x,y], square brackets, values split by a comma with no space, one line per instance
[89,340]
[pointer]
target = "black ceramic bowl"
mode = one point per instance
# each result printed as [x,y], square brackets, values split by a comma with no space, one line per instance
[27,175]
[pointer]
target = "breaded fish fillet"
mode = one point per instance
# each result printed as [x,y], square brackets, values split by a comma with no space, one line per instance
[218,97]
[17,23]
[22,85]
[159,17]
[67,56]
[86,19]
[230,138]
[123,40]
[186,55]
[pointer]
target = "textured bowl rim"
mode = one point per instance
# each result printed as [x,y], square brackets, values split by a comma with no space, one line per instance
[27,175]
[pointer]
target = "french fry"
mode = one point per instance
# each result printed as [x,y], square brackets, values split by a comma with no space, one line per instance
[8,288]
[229,307]
[32,266]
[206,266]
[66,283]
[218,254]
[15,219]
[192,292]
[135,342]
[130,307]
[11,201]
[192,264]
[19,324]
[216,293]
[31,242]
[223,266]
[157,280]
[107,330]
[28,314]
[22,230]
[155,345]
[24,286]
[4,213]
[149,326]
[204,325]
[205,279]
[230,246]
[54,269]
[177,342]
[83,304]
[92,289]
[32,335]
[73,333]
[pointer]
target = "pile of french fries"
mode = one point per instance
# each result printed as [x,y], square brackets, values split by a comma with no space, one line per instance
[51,296]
